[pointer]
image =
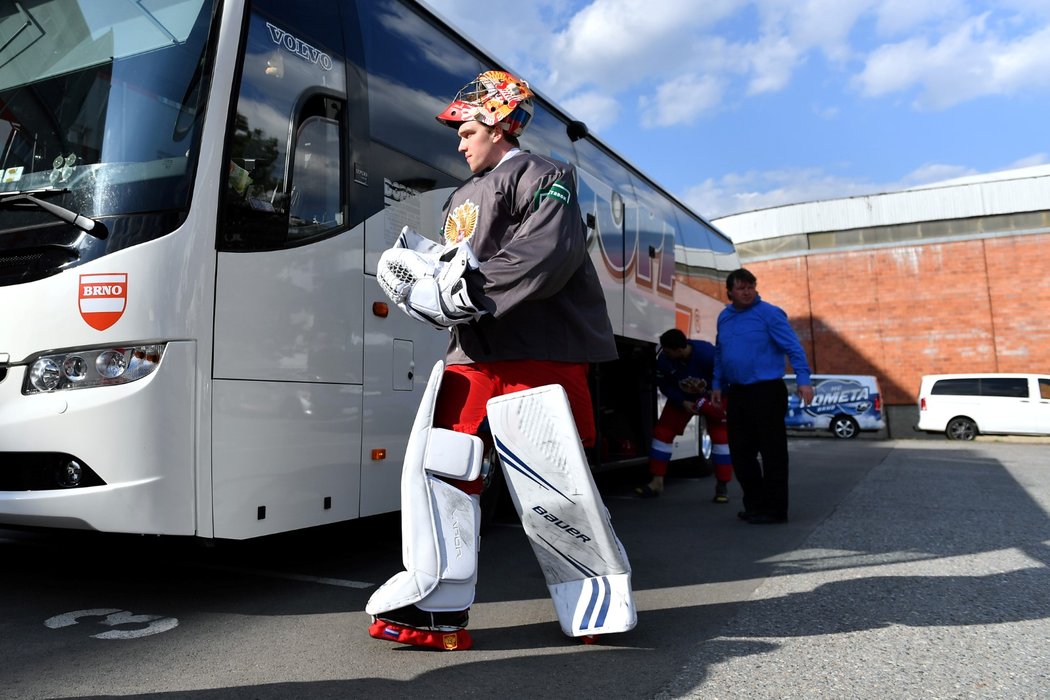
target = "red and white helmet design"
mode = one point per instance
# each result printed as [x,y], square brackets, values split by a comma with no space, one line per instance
[494,97]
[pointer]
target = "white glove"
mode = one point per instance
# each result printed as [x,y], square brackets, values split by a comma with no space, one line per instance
[428,288]
[409,238]
[400,268]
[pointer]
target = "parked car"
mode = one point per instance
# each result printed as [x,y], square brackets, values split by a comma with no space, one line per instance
[844,404]
[966,405]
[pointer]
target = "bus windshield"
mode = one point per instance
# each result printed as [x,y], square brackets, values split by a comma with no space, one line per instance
[101,102]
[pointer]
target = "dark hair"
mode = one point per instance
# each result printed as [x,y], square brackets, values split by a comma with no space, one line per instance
[673,339]
[743,274]
[507,136]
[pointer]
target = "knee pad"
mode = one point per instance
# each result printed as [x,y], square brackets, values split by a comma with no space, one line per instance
[439,523]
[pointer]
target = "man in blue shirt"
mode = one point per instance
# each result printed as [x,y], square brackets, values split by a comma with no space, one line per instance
[753,339]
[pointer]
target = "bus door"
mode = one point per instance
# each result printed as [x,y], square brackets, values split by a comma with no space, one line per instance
[399,350]
[287,374]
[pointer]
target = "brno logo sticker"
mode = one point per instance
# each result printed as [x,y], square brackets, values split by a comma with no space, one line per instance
[103,299]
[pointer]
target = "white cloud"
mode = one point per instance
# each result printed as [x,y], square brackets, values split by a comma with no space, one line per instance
[930,173]
[1026,9]
[519,35]
[901,16]
[597,109]
[617,43]
[738,192]
[967,63]
[809,24]
[1029,161]
[680,101]
[773,61]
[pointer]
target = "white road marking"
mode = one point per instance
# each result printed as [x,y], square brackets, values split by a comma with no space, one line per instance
[112,617]
[70,618]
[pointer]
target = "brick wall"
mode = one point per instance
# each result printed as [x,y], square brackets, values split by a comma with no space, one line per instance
[899,313]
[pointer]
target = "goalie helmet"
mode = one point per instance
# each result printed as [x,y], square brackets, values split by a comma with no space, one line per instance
[494,97]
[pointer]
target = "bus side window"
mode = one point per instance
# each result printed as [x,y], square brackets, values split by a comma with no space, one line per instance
[284,144]
[315,203]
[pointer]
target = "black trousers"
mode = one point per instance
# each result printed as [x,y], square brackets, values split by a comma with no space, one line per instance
[755,418]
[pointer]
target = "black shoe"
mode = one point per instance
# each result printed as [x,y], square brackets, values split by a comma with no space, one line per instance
[647,491]
[411,616]
[745,515]
[767,518]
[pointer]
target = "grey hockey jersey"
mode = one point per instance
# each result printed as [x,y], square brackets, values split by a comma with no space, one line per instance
[536,279]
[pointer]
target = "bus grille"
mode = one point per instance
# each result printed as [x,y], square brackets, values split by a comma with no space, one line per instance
[27,265]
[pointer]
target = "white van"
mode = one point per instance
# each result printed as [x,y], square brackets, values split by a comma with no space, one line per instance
[964,405]
[845,404]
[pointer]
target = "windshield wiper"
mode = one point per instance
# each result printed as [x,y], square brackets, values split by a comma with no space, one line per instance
[84,223]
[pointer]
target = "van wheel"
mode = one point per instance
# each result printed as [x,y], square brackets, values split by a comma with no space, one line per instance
[961,428]
[844,427]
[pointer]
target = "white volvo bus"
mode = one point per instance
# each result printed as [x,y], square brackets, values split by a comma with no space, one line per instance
[194,197]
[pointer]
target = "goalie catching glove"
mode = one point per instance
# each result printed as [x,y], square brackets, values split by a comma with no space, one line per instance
[413,240]
[429,286]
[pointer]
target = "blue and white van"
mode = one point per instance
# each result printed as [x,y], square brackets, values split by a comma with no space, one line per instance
[843,404]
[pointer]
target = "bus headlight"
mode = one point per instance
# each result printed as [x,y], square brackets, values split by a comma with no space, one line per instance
[74,368]
[81,369]
[110,364]
[44,375]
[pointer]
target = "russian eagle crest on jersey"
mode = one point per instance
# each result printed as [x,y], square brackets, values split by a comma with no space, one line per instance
[461,223]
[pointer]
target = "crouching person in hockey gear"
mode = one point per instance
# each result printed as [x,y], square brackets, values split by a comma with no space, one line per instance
[513,282]
[683,372]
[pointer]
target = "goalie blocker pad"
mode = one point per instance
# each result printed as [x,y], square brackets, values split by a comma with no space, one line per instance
[585,566]
[439,523]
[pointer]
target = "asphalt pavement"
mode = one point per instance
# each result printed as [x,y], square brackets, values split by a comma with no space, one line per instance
[929,579]
[908,569]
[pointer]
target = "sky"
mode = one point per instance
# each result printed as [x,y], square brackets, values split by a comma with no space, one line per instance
[737,105]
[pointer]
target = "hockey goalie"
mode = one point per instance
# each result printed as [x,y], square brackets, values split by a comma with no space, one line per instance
[512,282]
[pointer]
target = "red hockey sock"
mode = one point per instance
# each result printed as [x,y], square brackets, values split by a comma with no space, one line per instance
[445,641]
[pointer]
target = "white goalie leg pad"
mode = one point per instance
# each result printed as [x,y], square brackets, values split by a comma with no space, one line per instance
[439,523]
[585,566]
